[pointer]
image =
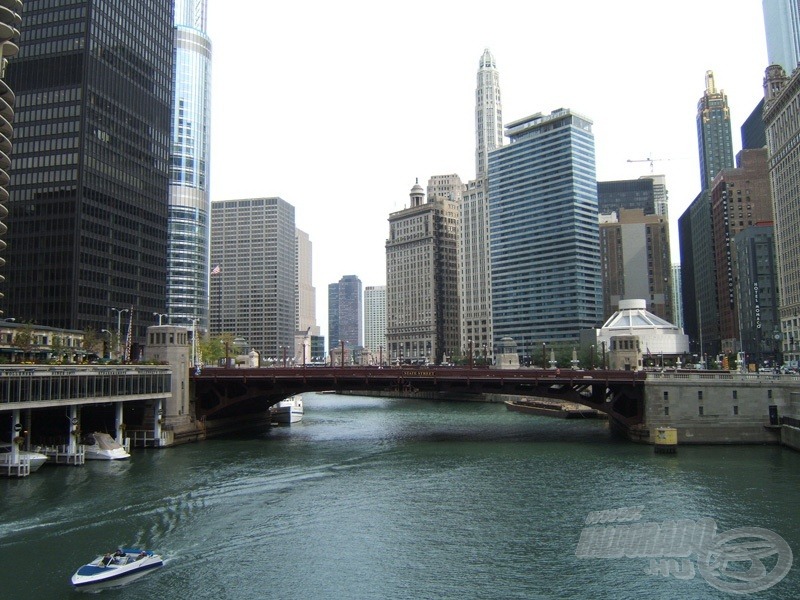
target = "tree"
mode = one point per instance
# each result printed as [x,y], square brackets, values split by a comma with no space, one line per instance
[212,348]
[92,342]
[25,340]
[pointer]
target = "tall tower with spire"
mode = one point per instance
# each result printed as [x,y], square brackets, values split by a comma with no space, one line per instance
[713,132]
[473,241]
[488,114]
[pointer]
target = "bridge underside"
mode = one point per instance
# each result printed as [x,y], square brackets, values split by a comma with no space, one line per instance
[221,393]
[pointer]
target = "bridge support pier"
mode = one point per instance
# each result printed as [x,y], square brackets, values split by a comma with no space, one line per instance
[74,430]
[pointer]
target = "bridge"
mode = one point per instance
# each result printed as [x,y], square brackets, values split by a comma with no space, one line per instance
[224,392]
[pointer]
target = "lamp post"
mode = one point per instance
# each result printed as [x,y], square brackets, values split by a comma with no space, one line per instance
[544,354]
[159,315]
[470,353]
[604,355]
[119,312]
[592,355]
[283,348]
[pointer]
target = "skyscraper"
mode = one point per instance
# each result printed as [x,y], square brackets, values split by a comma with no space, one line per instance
[488,114]
[740,198]
[375,321]
[782,121]
[544,238]
[422,280]
[189,201]
[473,243]
[9,34]
[782,25]
[253,290]
[87,228]
[345,313]
[635,258]
[695,226]
[713,132]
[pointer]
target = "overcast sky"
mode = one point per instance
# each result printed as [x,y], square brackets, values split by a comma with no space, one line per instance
[337,107]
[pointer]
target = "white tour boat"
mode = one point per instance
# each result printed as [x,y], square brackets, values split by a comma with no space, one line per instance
[119,568]
[101,446]
[287,411]
[37,459]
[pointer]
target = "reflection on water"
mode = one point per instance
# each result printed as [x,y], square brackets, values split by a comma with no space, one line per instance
[371,497]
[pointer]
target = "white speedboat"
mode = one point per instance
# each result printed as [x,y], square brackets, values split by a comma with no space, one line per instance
[115,569]
[287,411]
[37,459]
[101,446]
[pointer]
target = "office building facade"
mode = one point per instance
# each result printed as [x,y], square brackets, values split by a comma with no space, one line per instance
[253,285]
[782,28]
[759,327]
[188,237]
[345,314]
[422,320]
[782,122]
[635,259]
[87,226]
[9,36]
[375,321]
[740,198]
[543,231]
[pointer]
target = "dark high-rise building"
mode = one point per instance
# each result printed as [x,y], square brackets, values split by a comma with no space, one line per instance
[630,194]
[9,32]
[758,293]
[754,134]
[345,313]
[87,228]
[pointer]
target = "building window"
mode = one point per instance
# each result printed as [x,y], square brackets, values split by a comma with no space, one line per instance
[666,396]
[666,411]
[736,410]
[769,393]
[735,394]
[700,395]
[700,410]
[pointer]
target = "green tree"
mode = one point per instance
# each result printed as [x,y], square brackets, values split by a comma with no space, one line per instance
[25,340]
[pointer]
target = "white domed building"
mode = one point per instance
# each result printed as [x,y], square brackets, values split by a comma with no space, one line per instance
[632,337]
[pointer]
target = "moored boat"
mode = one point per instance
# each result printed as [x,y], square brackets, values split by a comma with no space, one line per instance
[115,569]
[287,411]
[101,446]
[36,459]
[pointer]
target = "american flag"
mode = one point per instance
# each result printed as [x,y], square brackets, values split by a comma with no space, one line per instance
[216,270]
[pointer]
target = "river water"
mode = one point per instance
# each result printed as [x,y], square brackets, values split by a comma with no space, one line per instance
[387,498]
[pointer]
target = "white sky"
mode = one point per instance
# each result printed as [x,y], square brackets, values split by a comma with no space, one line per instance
[337,107]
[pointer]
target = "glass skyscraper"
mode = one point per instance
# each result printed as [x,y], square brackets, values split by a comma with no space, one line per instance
[782,26]
[189,201]
[543,229]
[87,226]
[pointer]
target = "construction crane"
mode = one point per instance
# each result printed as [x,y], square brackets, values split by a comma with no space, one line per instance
[650,160]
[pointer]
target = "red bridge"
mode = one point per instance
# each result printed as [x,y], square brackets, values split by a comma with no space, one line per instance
[221,392]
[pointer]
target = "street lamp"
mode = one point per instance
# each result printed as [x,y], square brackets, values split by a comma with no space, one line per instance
[470,353]
[119,312]
[159,315]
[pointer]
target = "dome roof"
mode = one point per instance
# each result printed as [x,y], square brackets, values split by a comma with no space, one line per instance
[632,314]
